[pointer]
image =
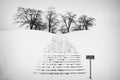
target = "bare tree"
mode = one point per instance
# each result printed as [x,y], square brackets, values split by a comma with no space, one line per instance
[52,19]
[68,19]
[78,26]
[63,29]
[30,17]
[85,22]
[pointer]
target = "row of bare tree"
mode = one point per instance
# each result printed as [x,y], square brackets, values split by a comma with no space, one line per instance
[52,22]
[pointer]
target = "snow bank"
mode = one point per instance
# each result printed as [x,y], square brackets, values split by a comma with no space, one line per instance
[20,49]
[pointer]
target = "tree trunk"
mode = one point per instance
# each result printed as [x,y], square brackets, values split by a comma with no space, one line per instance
[86,27]
[31,26]
[49,28]
[68,30]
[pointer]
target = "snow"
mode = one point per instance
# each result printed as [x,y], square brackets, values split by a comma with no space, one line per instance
[20,49]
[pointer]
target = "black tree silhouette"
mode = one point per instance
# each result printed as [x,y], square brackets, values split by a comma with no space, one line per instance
[68,20]
[85,22]
[30,17]
[66,23]
[52,19]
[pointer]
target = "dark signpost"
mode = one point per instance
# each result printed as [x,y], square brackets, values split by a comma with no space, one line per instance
[90,57]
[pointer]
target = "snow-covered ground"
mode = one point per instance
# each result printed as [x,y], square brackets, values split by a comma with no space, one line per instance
[20,49]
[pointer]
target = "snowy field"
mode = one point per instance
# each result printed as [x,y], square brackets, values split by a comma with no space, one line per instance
[20,49]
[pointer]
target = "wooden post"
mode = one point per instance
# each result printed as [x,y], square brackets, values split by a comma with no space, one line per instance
[90,57]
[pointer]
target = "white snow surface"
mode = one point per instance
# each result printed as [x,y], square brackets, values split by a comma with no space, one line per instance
[20,49]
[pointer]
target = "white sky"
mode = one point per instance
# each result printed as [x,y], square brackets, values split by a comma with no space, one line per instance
[106,12]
